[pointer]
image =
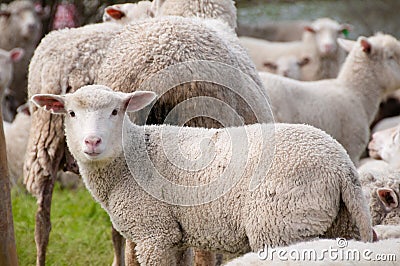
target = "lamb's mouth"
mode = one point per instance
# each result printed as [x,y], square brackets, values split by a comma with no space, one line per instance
[92,154]
[374,154]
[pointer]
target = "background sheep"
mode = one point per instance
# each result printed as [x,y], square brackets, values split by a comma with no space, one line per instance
[287,66]
[312,253]
[125,13]
[20,26]
[382,190]
[318,43]
[7,61]
[385,145]
[223,10]
[327,172]
[371,70]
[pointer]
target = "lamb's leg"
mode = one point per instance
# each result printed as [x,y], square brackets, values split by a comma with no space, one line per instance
[158,252]
[119,247]
[130,254]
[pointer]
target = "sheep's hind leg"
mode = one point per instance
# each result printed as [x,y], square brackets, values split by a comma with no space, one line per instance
[43,224]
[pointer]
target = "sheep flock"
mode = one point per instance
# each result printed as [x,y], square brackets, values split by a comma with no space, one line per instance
[204,143]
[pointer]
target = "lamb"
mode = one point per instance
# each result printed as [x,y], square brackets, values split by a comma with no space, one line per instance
[318,43]
[128,12]
[20,26]
[223,10]
[371,70]
[140,204]
[84,49]
[325,252]
[382,190]
[7,61]
[64,60]
[287,66]
[385,145]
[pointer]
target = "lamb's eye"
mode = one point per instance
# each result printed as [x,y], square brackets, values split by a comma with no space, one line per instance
[71,113]
[114,112]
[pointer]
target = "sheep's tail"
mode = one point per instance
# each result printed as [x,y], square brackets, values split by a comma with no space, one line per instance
[356,204]
[44,150]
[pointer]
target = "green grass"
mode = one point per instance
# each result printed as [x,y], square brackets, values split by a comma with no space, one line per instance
[81,230]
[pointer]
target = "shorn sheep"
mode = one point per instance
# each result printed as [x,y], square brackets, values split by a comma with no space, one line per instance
[318,43]
[159,216]
[325,252]
[20,26]
[371,70]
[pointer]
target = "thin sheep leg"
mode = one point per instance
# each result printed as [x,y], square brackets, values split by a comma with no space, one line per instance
[119,247]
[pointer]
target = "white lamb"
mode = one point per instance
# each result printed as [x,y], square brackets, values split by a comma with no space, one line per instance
[287,66]
[325,252]
[7,61]
[128,12]
[343,107]
[306,164]
[385,145]
[20,26]
[318,43]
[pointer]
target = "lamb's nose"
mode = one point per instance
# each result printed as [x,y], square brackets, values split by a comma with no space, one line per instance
[92,141]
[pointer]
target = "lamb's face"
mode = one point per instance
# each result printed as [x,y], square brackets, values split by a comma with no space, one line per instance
[94,118]
[6,65]
[287,66]
[385,145]
[326,32]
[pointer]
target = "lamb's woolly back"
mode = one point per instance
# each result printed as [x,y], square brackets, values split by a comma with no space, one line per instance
[224,10]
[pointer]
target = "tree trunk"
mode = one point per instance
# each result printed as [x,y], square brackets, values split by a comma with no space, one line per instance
[8,252]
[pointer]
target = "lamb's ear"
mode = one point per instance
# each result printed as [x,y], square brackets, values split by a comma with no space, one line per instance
[347,45]
[139,100]
[388,198]
[4,13]
[16,54]
[309,28]
[271,65]
[304,61]
[50,102]
[115,12]
[345,28]
[365,44]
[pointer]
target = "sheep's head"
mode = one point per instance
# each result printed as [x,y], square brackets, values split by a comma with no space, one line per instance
[380,54]
[385,145]
[7,58]
[128,12]
[287,66]
[94,117]
[25,16]
[325,32]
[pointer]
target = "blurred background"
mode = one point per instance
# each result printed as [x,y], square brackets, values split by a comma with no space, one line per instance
[367,16]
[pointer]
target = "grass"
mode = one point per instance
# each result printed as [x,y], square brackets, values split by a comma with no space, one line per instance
[81,229]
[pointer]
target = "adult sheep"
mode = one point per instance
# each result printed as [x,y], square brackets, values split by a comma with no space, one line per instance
[63,61]
[20,26]
[371,70]
[318,43]
[145,200]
